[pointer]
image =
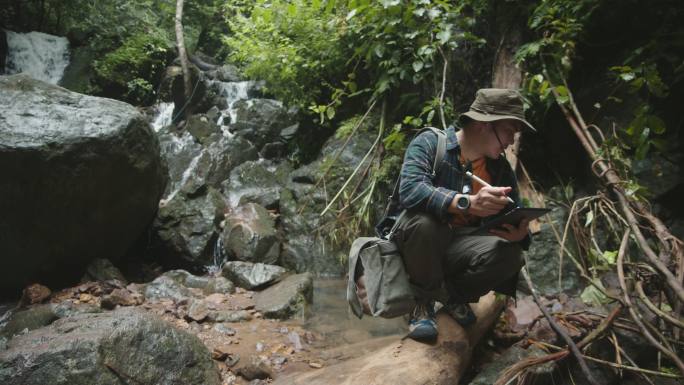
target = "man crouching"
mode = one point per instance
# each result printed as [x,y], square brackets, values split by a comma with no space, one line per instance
[441,210]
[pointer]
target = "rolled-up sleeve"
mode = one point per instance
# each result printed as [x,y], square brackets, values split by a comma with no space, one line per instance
[417,189]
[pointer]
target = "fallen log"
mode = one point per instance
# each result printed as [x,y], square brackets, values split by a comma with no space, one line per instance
[407,362]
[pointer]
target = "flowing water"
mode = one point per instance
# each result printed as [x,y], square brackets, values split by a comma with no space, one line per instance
[41,56]
[164,116]
[232,92]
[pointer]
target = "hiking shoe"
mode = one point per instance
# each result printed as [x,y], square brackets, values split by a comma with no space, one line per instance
[422,325]
[462,313]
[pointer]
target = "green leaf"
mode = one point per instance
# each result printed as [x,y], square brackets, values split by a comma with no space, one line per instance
[656,124]
[609,256]
[593,296]
[330,112]
[563,95]
[444,36]
[389,3]
[590,218]
[627,76]
[430,115]
[417,65]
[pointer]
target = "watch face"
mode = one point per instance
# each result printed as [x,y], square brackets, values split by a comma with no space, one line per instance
[463,203]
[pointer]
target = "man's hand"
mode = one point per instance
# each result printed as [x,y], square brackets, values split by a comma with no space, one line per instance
[488,201]
[510,232]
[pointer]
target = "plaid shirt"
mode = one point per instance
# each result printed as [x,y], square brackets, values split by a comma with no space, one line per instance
[419,191]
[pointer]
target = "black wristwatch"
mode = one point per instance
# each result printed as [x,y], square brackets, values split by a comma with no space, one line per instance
[463,202]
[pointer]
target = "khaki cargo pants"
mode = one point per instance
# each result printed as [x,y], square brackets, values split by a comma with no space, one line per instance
[441,259]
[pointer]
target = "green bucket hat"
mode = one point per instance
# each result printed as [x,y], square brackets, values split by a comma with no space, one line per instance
[496,104]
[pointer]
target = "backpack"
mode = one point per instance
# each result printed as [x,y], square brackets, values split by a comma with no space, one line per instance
[377,282]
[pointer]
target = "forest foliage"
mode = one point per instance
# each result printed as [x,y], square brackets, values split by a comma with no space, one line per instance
[333,59]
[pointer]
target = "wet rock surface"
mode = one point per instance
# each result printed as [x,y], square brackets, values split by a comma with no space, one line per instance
[53,140]
[252,275]
[250,235]
[257,182]
[288,298]
[186,226]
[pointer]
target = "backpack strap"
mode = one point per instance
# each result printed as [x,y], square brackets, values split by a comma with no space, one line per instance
[441,149]
[440,152]
[436,165]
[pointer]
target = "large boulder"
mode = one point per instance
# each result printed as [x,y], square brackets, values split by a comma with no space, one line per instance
[187,226]
[307,237]
[126,345]
[259,181]
[193,166]
[249,234]
[260,120]
[82,179]
[544,264]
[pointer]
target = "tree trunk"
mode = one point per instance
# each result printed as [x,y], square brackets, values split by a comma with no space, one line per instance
[407,362]
[507,74]
[182,55]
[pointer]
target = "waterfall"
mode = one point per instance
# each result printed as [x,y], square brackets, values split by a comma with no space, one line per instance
[41,56]
[164,116]
[232,92]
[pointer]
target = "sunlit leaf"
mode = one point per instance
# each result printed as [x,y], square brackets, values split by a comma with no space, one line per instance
[590,218]
[593,296]
[609,256]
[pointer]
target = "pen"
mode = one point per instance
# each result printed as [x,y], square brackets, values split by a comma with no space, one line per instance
[480,181]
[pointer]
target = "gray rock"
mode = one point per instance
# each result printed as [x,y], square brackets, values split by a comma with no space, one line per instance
[106,348]
[543,260]
[229,316]
[260,120]
[186,227]
[306,248]
[52,140]
[224,155]
[30,319]
[225,73]
[198,311]
[164,287]
[288,133]
[200,127]
[257,182]
[657,174]
[101,269]
[181,153]
[252,275]
[208,285]
[273,150]
[249,234]
[287,298]
[220,285]
[255,369]
[213,114]
[224,329]
[68,309]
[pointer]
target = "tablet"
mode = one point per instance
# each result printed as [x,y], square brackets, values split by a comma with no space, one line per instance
[512,217]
